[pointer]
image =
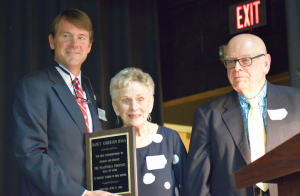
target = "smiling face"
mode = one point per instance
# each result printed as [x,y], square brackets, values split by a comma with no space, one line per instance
[71,45]
[133,104]
[248,81]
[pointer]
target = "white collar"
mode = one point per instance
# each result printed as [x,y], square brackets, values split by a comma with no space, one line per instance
[66,76]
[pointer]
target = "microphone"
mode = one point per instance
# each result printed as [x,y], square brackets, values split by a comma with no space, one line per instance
[298,70]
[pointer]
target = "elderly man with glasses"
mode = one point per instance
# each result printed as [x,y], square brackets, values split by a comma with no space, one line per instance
[241,126]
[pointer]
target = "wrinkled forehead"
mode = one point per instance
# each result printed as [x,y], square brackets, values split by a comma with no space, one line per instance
[238,50]
[133,88]
[245,46]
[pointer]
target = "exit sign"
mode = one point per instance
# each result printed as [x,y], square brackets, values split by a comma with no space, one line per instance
[247,15]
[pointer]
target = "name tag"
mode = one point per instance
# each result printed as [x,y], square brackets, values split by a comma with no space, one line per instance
[278,114]
[101,114]
[156,162]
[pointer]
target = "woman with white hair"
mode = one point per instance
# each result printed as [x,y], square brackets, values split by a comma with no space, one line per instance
[161,155]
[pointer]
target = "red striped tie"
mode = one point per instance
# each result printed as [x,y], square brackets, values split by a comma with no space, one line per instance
[80,102]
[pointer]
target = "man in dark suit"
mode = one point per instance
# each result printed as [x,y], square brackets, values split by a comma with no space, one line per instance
[53,109]
[220,141]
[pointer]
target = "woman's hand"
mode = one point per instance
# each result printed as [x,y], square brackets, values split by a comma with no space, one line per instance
[99,193]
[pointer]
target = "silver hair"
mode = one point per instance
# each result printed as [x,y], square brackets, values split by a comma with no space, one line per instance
[121,79]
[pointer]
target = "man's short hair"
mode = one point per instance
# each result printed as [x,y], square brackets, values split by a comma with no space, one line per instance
[77,18]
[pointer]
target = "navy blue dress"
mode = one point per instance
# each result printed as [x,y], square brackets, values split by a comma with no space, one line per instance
[157,177]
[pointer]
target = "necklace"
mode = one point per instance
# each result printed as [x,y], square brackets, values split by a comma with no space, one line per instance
[146,136]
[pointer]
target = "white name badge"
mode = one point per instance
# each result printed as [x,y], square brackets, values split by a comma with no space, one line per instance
[278,114]
[156,162]
[101,114]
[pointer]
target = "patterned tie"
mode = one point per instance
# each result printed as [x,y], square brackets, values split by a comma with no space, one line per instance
[80,102]
[257,135]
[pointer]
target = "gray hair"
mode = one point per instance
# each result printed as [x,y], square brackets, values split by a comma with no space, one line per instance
[121,79]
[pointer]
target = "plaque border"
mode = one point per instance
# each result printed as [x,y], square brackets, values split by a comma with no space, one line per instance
[131,159]
[128,159]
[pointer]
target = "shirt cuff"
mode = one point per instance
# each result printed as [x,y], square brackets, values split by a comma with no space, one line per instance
[83,193]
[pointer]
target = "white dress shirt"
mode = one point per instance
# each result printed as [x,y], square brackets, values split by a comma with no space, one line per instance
[68,81]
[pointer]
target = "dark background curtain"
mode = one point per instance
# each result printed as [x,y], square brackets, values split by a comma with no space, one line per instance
[126,35]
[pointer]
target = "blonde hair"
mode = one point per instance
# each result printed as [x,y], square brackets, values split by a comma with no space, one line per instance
[121,79]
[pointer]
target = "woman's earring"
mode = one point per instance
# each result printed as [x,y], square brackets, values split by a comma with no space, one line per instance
[149,118]
[118,120]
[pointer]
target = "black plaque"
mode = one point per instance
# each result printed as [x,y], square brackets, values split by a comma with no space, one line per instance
[111,161]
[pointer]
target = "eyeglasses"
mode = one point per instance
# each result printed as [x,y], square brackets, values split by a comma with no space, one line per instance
[89,102]
[244,62]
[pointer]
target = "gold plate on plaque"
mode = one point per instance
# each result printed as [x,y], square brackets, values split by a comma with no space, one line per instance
[111,161]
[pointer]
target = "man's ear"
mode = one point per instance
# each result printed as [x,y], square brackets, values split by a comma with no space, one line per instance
[115,108]
[267,64]
[90,47]
[51,41]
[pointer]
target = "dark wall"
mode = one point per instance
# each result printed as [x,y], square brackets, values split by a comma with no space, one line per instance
[191,32]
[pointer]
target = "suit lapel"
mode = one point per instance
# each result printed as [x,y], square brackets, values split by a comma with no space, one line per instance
[233,119]
[66,97]
[275,100]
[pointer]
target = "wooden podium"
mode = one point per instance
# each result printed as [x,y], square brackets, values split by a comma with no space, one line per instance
[280,165]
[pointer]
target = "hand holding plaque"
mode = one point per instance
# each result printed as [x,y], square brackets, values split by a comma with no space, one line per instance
[111,161]
[98,193]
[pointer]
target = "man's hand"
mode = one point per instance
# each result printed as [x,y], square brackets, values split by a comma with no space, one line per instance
[99,193]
